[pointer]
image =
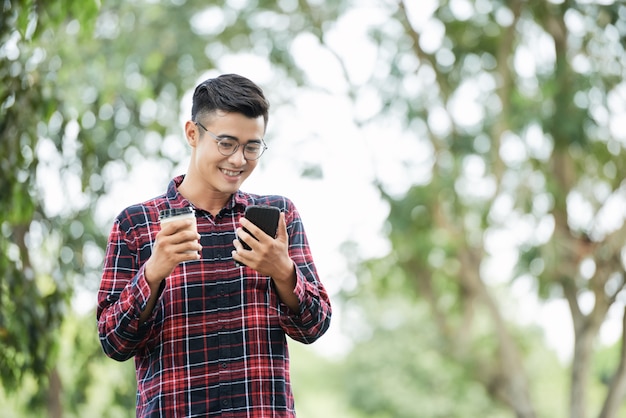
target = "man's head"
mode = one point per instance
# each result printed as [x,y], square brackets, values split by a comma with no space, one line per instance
[229,120]
[230,93]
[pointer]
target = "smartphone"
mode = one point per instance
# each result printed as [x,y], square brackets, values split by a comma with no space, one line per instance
[263,216]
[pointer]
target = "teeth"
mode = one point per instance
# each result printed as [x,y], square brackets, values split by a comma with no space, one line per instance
[231,173]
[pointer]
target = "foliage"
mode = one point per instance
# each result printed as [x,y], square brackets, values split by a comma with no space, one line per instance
[527,167]
[27,97]
[80,107]
[400,370]
[93,385]
[514,103]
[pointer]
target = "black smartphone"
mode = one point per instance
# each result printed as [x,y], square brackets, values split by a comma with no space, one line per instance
[265,217]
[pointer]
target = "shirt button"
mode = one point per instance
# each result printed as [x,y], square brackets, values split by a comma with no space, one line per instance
[225,402]
[224,365]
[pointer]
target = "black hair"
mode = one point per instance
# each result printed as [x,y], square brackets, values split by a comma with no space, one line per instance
[229,93]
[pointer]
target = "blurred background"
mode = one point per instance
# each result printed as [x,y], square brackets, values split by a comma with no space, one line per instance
[458,166]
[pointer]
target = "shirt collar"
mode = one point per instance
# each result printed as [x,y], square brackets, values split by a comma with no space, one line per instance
[176,200]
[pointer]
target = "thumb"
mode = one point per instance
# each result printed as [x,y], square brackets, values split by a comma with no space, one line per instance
[281,233]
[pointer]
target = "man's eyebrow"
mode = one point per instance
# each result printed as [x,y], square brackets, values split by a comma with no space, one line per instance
[226,136]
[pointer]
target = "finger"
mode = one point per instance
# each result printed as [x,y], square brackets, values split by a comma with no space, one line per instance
[239,261]
[184,236]
[178,233]
[166,257]
[246,237]
[188,247]
[253,230]
[237,244]
[172,246]
[172,250]
[281,232]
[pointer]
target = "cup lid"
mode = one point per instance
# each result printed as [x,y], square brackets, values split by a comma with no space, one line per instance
[168,213]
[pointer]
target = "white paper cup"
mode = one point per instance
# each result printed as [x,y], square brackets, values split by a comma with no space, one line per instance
[177,214]
[170,215]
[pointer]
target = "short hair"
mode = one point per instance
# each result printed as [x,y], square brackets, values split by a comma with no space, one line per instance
[229,93]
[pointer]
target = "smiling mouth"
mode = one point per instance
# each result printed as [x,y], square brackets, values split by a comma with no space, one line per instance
[231,173]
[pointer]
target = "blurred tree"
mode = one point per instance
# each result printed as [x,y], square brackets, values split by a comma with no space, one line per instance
[84,97]
[33,289]
[517,105]
[515,108]
[402,370]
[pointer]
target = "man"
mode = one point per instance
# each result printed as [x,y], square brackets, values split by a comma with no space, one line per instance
[207,333]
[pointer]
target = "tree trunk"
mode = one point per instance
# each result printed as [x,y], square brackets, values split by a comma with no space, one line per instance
[508,380]
[55,409]
[617,388]
[583,347]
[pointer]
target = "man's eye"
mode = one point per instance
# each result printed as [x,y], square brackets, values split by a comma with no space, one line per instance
[227,144]
[253,148]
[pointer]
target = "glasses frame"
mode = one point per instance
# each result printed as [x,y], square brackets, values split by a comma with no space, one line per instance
[220,139]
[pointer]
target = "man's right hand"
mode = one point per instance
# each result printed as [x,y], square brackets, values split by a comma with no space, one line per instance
[177,241]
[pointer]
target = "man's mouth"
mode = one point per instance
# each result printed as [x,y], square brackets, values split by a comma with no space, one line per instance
[231,173]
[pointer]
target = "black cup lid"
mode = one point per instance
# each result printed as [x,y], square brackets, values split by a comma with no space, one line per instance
[168,213]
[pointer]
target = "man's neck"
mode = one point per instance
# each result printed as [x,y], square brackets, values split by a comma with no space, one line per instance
[210,201]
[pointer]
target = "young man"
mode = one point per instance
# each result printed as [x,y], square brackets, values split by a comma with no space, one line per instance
[208,334]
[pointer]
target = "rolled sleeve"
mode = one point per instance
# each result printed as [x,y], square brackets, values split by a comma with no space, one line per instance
[313,319]
[123,295]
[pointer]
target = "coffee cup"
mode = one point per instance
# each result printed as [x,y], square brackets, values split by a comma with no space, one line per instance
[176,214]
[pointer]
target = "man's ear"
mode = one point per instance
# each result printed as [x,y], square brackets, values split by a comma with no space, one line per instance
[191,133]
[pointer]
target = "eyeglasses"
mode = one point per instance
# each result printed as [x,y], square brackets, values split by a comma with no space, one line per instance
[228,146]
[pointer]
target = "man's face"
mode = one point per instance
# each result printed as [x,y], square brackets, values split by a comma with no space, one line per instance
[220,173]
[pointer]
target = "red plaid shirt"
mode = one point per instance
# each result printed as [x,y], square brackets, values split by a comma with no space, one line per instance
[215,343]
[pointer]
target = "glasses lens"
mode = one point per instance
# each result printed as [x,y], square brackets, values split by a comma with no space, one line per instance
[227,146]
[253,150]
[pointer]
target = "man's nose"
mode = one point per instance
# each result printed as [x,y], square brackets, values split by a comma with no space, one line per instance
[238,157]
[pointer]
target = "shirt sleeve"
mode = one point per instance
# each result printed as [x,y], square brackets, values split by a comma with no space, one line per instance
[122,297]
[313,318]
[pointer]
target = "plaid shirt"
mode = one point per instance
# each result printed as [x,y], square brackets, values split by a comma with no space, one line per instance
[215,343]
